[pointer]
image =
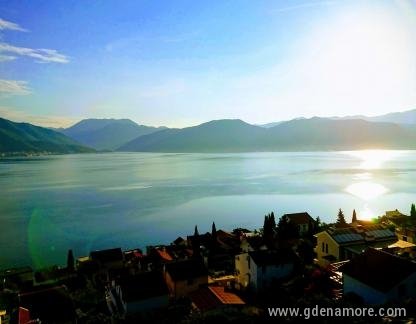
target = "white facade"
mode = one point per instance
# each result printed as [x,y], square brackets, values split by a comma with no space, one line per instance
[257,277]
[401,291]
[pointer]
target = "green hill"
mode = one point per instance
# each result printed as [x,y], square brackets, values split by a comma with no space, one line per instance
[27,138]
[297,135]
[106,134]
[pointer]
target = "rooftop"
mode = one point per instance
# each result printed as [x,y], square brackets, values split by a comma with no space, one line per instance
[106,256]
[299,218]
[186,269]
[50,305]
[16,271]
[214,296]
[143,286]
[164,255]
[272,257]
[378,269]
[360,234]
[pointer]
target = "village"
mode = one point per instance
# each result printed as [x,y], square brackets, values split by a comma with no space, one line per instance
[295,260]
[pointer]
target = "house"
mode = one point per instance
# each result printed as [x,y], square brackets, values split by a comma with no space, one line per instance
[108,259]
[186,276]
[49,304]
[257,270]
[406,233]
[212,297]
[380,277]
[339,244]
[202,239]
[403,248]
[4,317]
[139,293]
[395,218]
[17,278]
[303,220]
[23,317]
[220,254]
[7,306]
[252,243]
[179,241]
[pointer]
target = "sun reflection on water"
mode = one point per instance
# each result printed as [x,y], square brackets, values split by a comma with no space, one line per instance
[366,190]
[373,159]
[365,187]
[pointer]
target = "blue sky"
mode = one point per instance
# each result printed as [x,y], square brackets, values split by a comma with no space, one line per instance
[180,63]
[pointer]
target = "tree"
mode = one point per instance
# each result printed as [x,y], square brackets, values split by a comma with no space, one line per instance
[341,219]
[214,242]
[272,220]
[214,232]
[354,216]
[413,211]
[287,230]
[269,228]
[318,223]
[306,251]
[70,261]
[196,244]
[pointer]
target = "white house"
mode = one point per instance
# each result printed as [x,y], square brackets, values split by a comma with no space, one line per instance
[257,270]
[379,277]
[139,293]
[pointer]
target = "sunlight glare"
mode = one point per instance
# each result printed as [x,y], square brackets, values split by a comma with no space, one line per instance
[366,190]
[365,214]
[373,159]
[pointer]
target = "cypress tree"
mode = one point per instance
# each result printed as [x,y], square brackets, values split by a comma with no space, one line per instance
[272,221]
[70,261]
[354,216]
[196,244]
[413,211]
[214,231]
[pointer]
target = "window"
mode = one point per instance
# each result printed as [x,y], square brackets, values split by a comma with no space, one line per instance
[323,247]
[404,238]
[326,248]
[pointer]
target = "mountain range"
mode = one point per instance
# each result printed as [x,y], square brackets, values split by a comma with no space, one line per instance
[296,135]
[405,118]
[27,138]
[391,131]
[106,134]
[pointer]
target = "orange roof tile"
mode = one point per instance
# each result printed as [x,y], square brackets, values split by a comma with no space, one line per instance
[164,255]
[226,297]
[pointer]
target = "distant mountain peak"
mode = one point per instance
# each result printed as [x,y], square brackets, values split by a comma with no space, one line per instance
[106,133]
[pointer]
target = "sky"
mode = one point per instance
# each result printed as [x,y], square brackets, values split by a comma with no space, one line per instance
[181,63]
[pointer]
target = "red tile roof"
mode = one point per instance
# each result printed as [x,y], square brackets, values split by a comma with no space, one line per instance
[164,255]
[226,297]
[214,296]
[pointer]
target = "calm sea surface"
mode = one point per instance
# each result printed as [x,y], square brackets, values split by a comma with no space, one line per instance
[93,201]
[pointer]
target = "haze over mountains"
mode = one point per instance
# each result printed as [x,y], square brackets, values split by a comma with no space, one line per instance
[297,135]
[391,131]
[405,117]
[106,134]
[25,138]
